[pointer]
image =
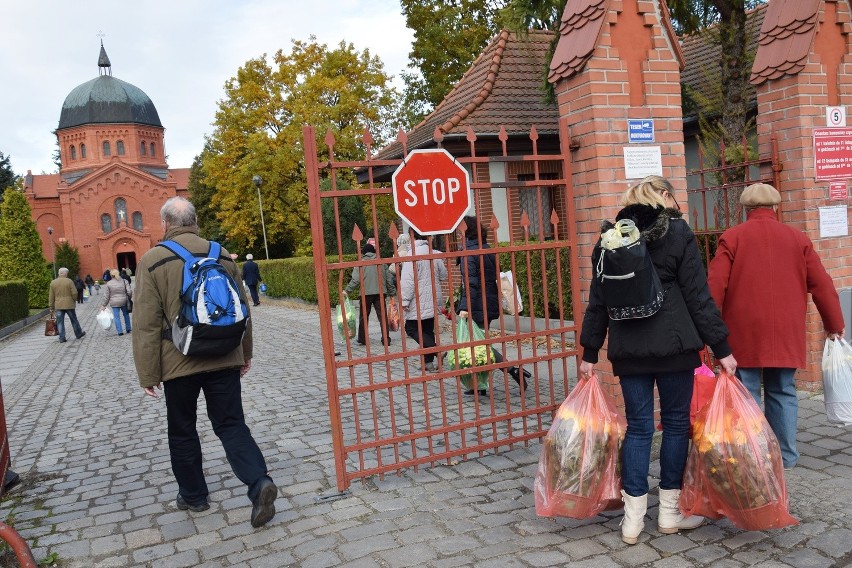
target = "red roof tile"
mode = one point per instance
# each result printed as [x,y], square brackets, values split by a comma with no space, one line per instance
[503,87]
[786,37]
[581,25]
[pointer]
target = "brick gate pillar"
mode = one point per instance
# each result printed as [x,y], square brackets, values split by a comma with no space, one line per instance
[803,65]
[615,60]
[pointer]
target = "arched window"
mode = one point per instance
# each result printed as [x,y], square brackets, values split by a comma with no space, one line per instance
[119,148]
[144,148]
[137,220]
[120,212]
[152,150]
[82,151]
[106,223]
[106,148]
[73,152]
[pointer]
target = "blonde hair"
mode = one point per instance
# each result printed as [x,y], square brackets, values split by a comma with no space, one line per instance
[114,273]
[649,191]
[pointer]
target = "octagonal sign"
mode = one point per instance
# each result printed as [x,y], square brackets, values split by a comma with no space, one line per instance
[431,191]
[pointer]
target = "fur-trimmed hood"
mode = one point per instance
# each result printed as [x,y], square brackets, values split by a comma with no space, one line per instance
[653,222]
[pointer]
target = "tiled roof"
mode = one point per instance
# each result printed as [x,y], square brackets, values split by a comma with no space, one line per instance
[503,87]
[581,25]
[702,54]
[180,176]
[785,38]
[44,185]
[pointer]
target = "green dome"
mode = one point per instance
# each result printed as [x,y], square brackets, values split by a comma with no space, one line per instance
[107,100]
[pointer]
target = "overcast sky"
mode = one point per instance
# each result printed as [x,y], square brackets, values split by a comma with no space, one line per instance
[180,52]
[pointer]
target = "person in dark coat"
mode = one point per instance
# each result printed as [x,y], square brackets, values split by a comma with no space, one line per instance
[106,277]
[90,282]
[80,286]
[480,295]
[767,322]
[661,349]
[125,276]
[251,276]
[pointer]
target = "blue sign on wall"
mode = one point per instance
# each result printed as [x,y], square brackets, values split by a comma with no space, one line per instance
[640,131]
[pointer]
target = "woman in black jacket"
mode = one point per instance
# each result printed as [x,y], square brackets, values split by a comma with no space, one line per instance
[479,282]
[662,349]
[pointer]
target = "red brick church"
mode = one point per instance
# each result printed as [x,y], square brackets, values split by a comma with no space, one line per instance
[106,198]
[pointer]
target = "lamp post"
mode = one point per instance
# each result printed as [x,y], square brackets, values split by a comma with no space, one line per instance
[52,252]
[258,181]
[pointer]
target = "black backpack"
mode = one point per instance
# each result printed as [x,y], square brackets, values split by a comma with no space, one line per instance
[630,284]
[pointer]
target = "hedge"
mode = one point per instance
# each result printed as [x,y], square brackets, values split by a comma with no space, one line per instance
[294,278]
[14,304]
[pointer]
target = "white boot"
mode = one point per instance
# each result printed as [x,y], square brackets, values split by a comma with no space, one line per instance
[634,517]
[670,519]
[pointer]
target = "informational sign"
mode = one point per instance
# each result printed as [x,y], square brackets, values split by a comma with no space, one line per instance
[431,191]
[838,190]
[639,131]
[835,116]
[641,161]
[832,153]
[833,221]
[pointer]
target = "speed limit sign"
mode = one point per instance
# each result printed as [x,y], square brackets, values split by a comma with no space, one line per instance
[835,116]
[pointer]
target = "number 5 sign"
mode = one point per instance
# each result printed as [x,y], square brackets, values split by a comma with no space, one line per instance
[835,116]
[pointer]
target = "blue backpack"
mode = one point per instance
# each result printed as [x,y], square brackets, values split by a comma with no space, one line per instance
[213,316]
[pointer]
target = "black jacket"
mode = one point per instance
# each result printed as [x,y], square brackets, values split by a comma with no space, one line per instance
[670,340]
[474,277]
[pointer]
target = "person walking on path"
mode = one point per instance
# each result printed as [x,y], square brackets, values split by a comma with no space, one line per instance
[760,277]
[251,276]
[662,349]
[159,364]
[420,300]
[61,300]
[479,285]
[78,284]
[107,276]
[378,282]
[117,295]
[90,282]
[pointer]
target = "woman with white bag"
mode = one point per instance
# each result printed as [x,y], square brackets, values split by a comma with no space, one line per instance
[117,296]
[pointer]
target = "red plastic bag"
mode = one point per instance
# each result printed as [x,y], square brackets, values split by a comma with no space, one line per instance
[702,390]
[734,467]
[579,471]
[393,315]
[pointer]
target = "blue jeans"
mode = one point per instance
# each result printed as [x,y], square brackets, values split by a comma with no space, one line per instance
[115,313]
[60,323]
[675,390]
[781,406]
[225,410]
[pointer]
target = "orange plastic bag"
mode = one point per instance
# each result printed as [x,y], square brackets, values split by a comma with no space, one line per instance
[579,471]
[702,390]
[734,467]
[393,315]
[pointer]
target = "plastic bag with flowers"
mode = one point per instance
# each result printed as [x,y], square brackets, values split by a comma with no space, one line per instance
[579,470]
[469,357]
[734,467]
[345,316]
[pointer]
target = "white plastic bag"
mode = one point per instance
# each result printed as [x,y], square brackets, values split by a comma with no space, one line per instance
[104,318]
[837,381]
[508,292]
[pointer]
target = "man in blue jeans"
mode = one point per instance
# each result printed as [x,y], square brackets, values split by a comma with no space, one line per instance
[160,365]
[760,278]
[63,300]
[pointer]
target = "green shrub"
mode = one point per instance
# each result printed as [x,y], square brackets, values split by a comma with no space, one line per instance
[548,275]
[13,302]
[295,278]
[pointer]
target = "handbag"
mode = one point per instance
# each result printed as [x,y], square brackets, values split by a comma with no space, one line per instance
[50,326]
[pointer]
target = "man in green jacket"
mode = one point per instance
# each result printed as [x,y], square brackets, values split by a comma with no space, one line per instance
[159,364]
[63,300]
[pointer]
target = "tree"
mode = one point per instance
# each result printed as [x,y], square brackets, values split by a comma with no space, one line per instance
[448,36]
[7,176]
[258,131]
[69,257]
[20,248]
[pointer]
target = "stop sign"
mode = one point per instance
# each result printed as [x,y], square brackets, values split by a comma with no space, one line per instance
[431,191]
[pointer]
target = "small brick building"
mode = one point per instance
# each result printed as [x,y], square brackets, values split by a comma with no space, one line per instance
[106,198]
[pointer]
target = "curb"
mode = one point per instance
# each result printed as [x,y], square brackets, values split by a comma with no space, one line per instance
[19,325]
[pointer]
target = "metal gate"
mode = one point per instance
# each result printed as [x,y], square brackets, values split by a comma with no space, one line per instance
[387,411]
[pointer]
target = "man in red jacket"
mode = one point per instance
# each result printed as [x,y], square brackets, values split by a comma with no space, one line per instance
[760,279]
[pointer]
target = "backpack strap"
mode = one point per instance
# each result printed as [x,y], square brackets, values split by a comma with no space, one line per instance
[178,249]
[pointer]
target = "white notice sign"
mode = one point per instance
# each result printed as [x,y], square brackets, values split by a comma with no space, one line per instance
[641,161]
[833,221]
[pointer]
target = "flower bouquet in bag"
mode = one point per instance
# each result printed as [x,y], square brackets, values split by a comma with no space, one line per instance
[837,381]
[345,321]
[579,470]
[469,357]
[734,467]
